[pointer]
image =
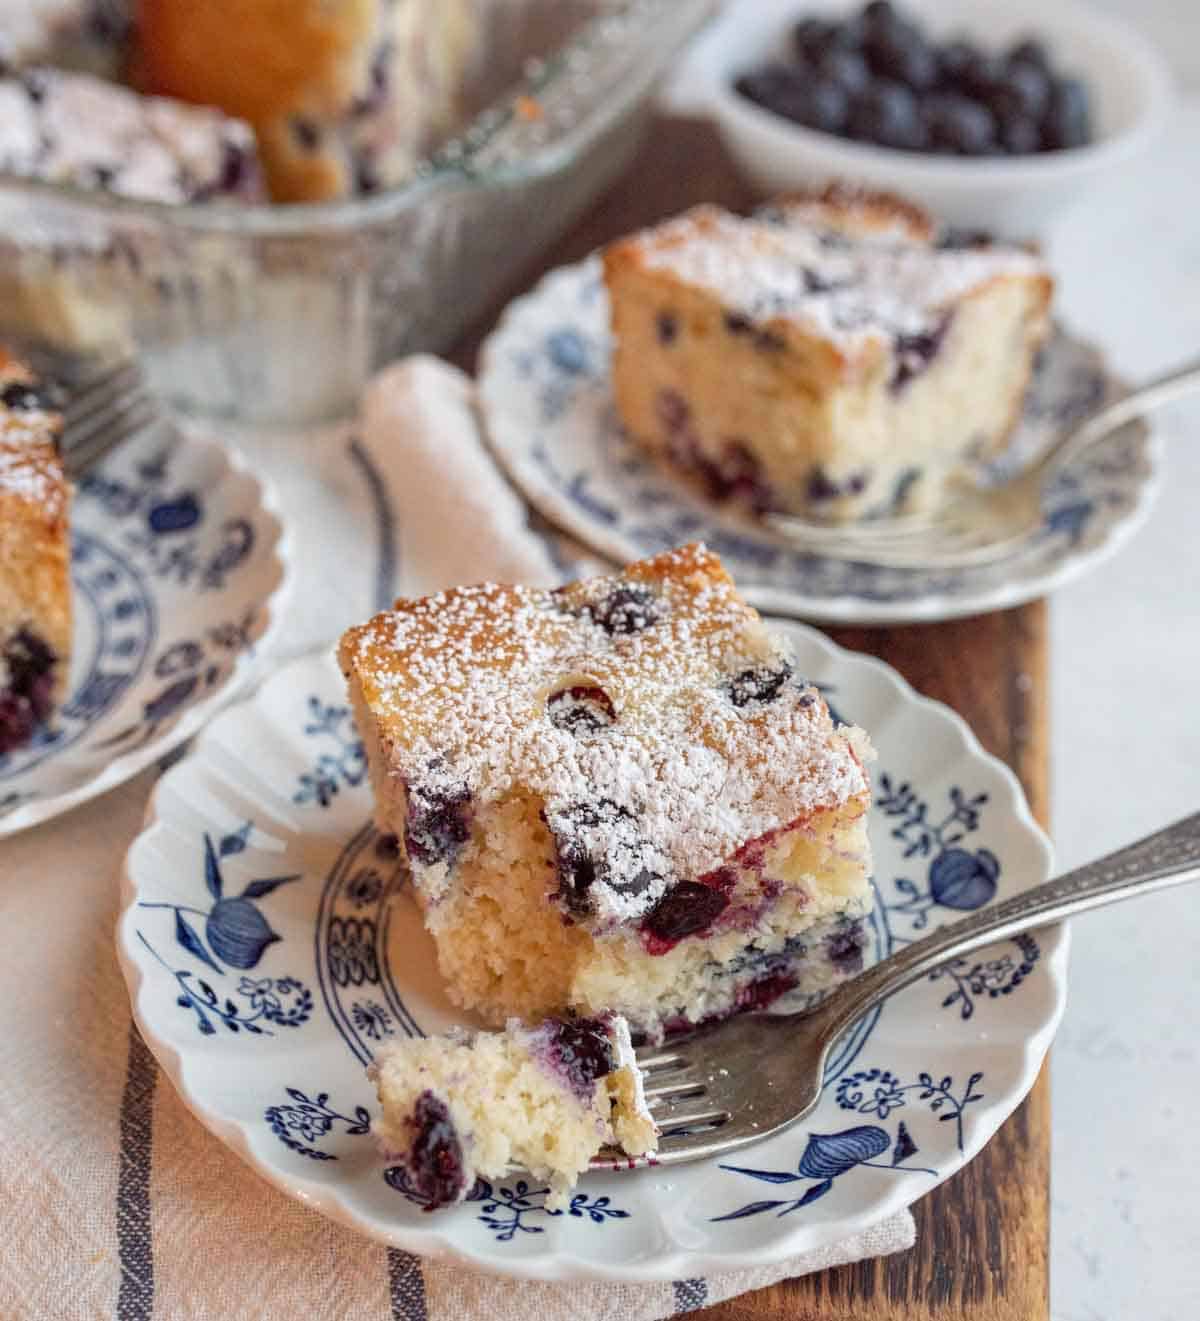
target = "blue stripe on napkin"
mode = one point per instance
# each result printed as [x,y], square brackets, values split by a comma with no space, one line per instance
[407,1286]
[689,1295]
[135,1291]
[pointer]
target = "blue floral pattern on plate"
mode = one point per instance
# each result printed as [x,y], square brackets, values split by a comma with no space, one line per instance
[553,425]
[176,570]
[323,908]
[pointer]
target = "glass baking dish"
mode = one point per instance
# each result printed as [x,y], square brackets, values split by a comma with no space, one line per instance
[280,313]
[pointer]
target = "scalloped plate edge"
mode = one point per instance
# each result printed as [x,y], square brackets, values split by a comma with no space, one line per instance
[561,1265]
[845,609]
[126,766]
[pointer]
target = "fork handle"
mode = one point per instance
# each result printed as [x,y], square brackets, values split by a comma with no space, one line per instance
[1169,857]
[1176,383]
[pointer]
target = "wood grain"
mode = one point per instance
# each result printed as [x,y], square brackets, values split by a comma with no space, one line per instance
[982,1237]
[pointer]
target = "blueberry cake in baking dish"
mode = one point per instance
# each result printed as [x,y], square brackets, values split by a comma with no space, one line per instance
[35,591]
[76,129]
[832,356]
[344,95]
[569,1085]
[617,795]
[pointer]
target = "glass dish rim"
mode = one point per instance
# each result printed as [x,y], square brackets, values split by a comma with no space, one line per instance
[456,163]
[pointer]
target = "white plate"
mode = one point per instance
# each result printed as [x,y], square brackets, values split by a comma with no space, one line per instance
[551,421]
[269,946]
[178,570]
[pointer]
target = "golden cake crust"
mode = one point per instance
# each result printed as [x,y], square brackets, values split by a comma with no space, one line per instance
[757,268]
[35,501]
[652,710]
[342,94]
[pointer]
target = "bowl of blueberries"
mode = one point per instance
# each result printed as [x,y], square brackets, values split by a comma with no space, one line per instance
[995,115]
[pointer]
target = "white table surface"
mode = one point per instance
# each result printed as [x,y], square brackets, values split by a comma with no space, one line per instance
[1125,657]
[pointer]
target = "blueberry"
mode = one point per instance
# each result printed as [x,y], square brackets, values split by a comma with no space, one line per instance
[27,658]
[825,106]
[954,60]
[888,115]
[1030,52]
[959,125]
[672,410]
[24,398]
[627,609]
[1067,122]
[820,487]
[622,864]
[666,327]
[1025,91]
[435,1163]
[879,14]
[235,166]
[582,1049]
[844,947]
[438,824]
[812,37]
[366,175]
[686,909]
[759,685]
[816,283]
[306,132]
[36,85]
[914,353]
[736,474]
[902,54]
[982,75]
[737,323]
[1020,136]
[957,240]
[26,701]
[776,88]
[581,709]
[847,69]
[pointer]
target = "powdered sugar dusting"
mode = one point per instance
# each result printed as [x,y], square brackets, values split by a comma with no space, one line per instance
[76,129]
[795,267]
[30,465]
[458,686]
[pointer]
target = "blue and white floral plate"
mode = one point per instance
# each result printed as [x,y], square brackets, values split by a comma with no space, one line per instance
[178,569]
[552,424]
[270,944]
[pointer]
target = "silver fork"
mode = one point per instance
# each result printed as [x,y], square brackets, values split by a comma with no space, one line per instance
[102,411]
[983,524]
[740,1081]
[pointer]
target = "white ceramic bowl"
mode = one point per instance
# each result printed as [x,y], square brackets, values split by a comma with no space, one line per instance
[1129,83]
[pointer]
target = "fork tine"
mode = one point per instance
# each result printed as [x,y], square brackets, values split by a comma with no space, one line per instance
[77,429]
[99,391]
[83,450]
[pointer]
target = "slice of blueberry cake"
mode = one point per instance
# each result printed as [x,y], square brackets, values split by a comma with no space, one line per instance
[76,129]
[35,590]
[832,356]
[345,95]
[544,1099]
[618,795]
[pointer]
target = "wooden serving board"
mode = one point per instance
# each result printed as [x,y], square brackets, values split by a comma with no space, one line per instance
[982,1237]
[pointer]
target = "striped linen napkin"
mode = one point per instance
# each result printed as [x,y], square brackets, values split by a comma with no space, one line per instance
[117,1202]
